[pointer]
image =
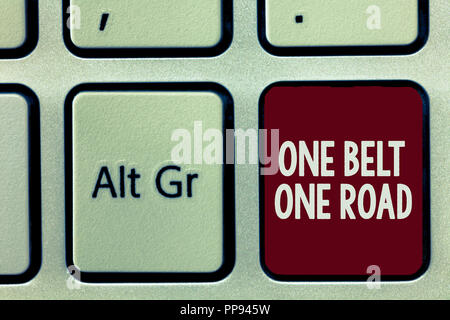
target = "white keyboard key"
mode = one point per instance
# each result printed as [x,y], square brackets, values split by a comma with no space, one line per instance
[18,27]
[291,27]
[19,188]
[147,24]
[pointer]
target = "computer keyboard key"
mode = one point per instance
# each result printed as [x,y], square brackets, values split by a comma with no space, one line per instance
[351,193]
[321,27]
[142,203]
[20,185]
[143,28]
[18,27]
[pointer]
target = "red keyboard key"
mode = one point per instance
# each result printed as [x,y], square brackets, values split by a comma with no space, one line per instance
[350,196]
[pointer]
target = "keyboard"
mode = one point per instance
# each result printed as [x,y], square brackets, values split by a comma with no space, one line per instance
[224,149]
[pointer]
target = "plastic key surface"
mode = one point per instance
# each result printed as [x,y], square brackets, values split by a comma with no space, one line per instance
[137,207]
